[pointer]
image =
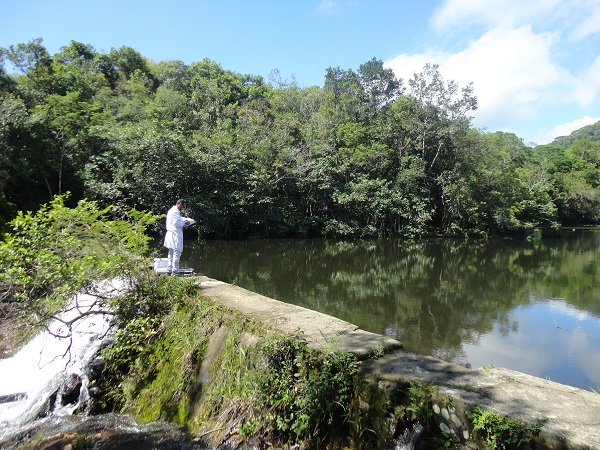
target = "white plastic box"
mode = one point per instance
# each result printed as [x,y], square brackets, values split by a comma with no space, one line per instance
[160,265]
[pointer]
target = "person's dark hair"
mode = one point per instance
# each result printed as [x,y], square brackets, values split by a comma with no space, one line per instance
[180,202]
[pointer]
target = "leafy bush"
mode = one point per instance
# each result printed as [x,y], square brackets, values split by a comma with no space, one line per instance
[501,432]
[420,402]
[302,394]
[58,252]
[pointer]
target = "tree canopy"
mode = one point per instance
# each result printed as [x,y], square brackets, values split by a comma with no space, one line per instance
[365,155]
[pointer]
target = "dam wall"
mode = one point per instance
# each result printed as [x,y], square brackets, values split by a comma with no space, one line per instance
[569,417]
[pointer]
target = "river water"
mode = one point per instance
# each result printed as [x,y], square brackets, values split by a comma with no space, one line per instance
[533,307]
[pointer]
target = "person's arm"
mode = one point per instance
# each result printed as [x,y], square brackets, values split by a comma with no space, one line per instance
[177,221]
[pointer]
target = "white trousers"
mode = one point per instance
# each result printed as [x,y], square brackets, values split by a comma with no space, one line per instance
[173,260]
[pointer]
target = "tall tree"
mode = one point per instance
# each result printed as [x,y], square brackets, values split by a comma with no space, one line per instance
[434,118]
[35,63]
[441,112]
[380,85]
[76,68]
[67,120]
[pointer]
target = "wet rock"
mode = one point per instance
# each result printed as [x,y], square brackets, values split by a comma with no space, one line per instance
[48,406]
[9,398]
[94,392]
[95,369]
[110,431]
[70,390]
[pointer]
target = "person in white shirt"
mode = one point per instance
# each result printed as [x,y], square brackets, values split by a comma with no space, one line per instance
[174,236]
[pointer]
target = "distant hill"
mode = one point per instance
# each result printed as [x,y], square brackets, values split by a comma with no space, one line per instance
[589,132]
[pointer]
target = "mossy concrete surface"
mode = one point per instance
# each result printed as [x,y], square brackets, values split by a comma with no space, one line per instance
[570,417]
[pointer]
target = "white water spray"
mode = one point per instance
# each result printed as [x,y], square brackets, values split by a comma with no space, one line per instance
[36,372]
[409,438]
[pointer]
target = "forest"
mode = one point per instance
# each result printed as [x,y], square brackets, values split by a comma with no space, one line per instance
[366,155]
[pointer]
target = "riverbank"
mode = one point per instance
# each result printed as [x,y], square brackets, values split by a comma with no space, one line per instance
[236,369]
[568,416]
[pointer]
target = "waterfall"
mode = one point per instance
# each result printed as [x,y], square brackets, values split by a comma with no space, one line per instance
[408,440]
[32,377]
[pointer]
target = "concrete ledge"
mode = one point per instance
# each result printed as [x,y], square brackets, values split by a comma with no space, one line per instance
[319,330]
[570,416]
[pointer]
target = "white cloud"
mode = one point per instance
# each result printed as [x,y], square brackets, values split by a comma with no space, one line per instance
[531,63]
[588,20]
[565,129]
[327,6]
[511,69]
[492,13]
[587,85]
[581,18]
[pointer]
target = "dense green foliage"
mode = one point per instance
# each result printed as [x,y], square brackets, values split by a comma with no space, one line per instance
[58,252]
[300,394]
[586,133]
[367,154]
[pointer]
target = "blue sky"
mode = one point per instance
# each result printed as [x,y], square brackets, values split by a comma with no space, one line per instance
[535,64]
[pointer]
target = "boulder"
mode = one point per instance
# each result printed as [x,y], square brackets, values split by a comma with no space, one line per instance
[70,390]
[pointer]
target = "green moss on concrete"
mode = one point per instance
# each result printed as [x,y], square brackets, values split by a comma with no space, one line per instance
[233,380]
[230,378]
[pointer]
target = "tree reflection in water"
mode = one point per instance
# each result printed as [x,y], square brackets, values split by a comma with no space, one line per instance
[438,297]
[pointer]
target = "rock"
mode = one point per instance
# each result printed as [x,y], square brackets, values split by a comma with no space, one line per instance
[48,406]
[95,368]
[95,391]
[69,393]
[9,398]
[107,431]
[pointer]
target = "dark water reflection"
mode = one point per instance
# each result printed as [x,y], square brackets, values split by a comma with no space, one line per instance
[532,307]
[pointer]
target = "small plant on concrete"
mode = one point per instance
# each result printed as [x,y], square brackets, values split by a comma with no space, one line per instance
[447,401]
[446,441]
[501,432]
[378,350]
[420,404]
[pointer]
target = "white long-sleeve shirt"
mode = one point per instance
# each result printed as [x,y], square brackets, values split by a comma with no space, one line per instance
[174,235]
